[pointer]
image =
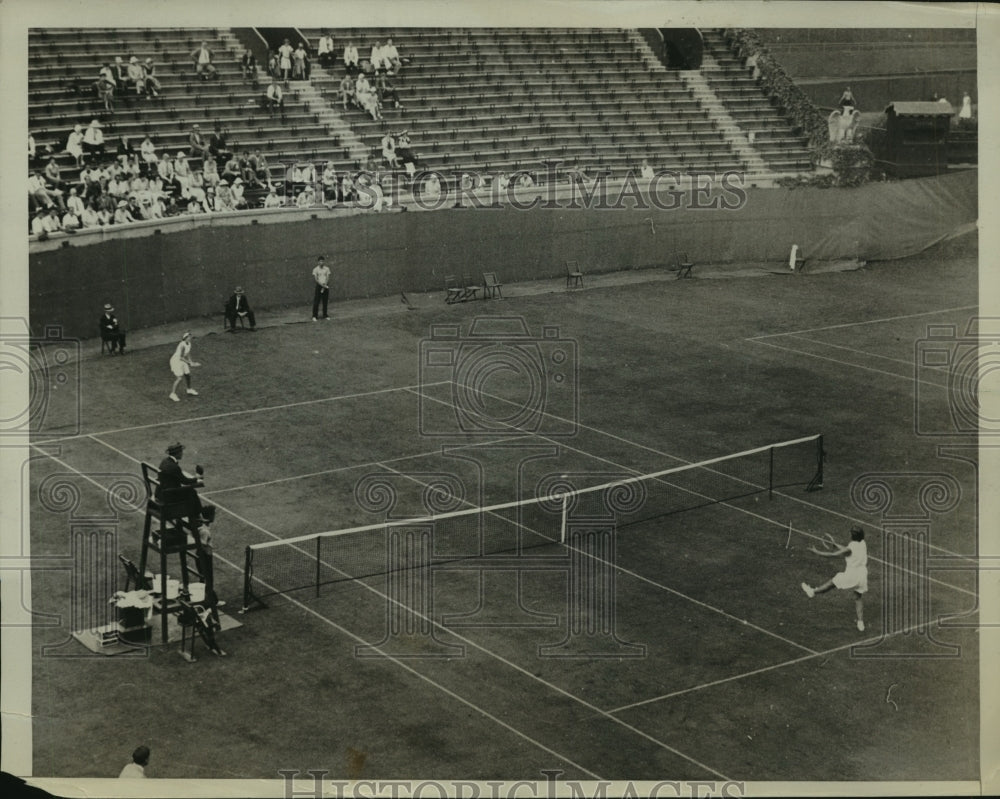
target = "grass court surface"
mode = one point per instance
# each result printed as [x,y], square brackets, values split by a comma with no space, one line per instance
[738,675]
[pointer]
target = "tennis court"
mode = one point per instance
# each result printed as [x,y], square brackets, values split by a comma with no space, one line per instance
[704,660]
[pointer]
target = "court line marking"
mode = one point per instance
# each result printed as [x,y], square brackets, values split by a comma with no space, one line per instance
[334,398]
[866,322]
[631,573]
[813,505]
[448,631]
[359,466]
[772,667]
[908,378]
[943,369]
[358,638]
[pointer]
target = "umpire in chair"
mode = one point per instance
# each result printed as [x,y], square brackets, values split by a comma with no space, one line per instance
[177,493]
[238,307]
[111,332]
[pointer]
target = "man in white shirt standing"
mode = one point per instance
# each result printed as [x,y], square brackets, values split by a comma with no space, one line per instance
[351,59]
[137,768]
[855,574]
[321,274]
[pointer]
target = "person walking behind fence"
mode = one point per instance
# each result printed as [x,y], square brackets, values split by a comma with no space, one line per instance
[855,575]
[321,274]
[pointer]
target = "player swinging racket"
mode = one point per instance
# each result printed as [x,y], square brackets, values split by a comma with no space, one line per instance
[855,574]
[180,365]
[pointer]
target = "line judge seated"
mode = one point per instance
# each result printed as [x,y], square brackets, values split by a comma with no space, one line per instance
[238,307]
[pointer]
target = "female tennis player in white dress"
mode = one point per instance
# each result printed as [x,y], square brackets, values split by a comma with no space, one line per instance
[180,365]
[854,577]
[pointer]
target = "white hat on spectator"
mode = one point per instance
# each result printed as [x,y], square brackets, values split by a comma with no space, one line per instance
[149,60]
[133,60]
[122,204]
[181,154]
[238,182]
[95,123]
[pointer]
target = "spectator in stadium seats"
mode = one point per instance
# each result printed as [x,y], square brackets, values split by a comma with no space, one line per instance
[346,91]
[239,201]
[329,182]
[260,166]
[376,59]
[390,55]
[153,86]
[299,58]
[272,200]
[38,224]
[93,140]
[147,150]
[109,74]
[646,171]
[53,176]
[182,173]
[32,149]
[165,169]
[70,222]
[196,143]
[105,87]
[524,180]
[136,75]
[248,64]
[74,203]
[943,100]
[847,100]
[120,72]
[106,208]
[431,187]
[351,58]
[118,186]
[285,60]
[74,144]
[248,171]
[274,97]
[210,172]
[217,146]
[172,208]
[50,221]
[124,152]
[224,197]
[306,198]
[133,207]
[366,97]
[238,306]
[231,170]
[389,150]
[273,64]
[90,217]
[203,58]
[196,188]
[405,152]
[387,92]
[42,195]
[194,207]
[324,49]
[110,330]
[122,214]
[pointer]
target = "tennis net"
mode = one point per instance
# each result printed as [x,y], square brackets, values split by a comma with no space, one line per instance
[524,527]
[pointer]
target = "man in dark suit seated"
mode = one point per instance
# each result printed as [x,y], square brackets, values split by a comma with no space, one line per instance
[238,306]
[177,492]
[110,331]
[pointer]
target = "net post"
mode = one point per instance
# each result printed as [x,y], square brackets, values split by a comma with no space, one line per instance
[817,482]
[319,540]
[562,523]
[247,565]
[770,473]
